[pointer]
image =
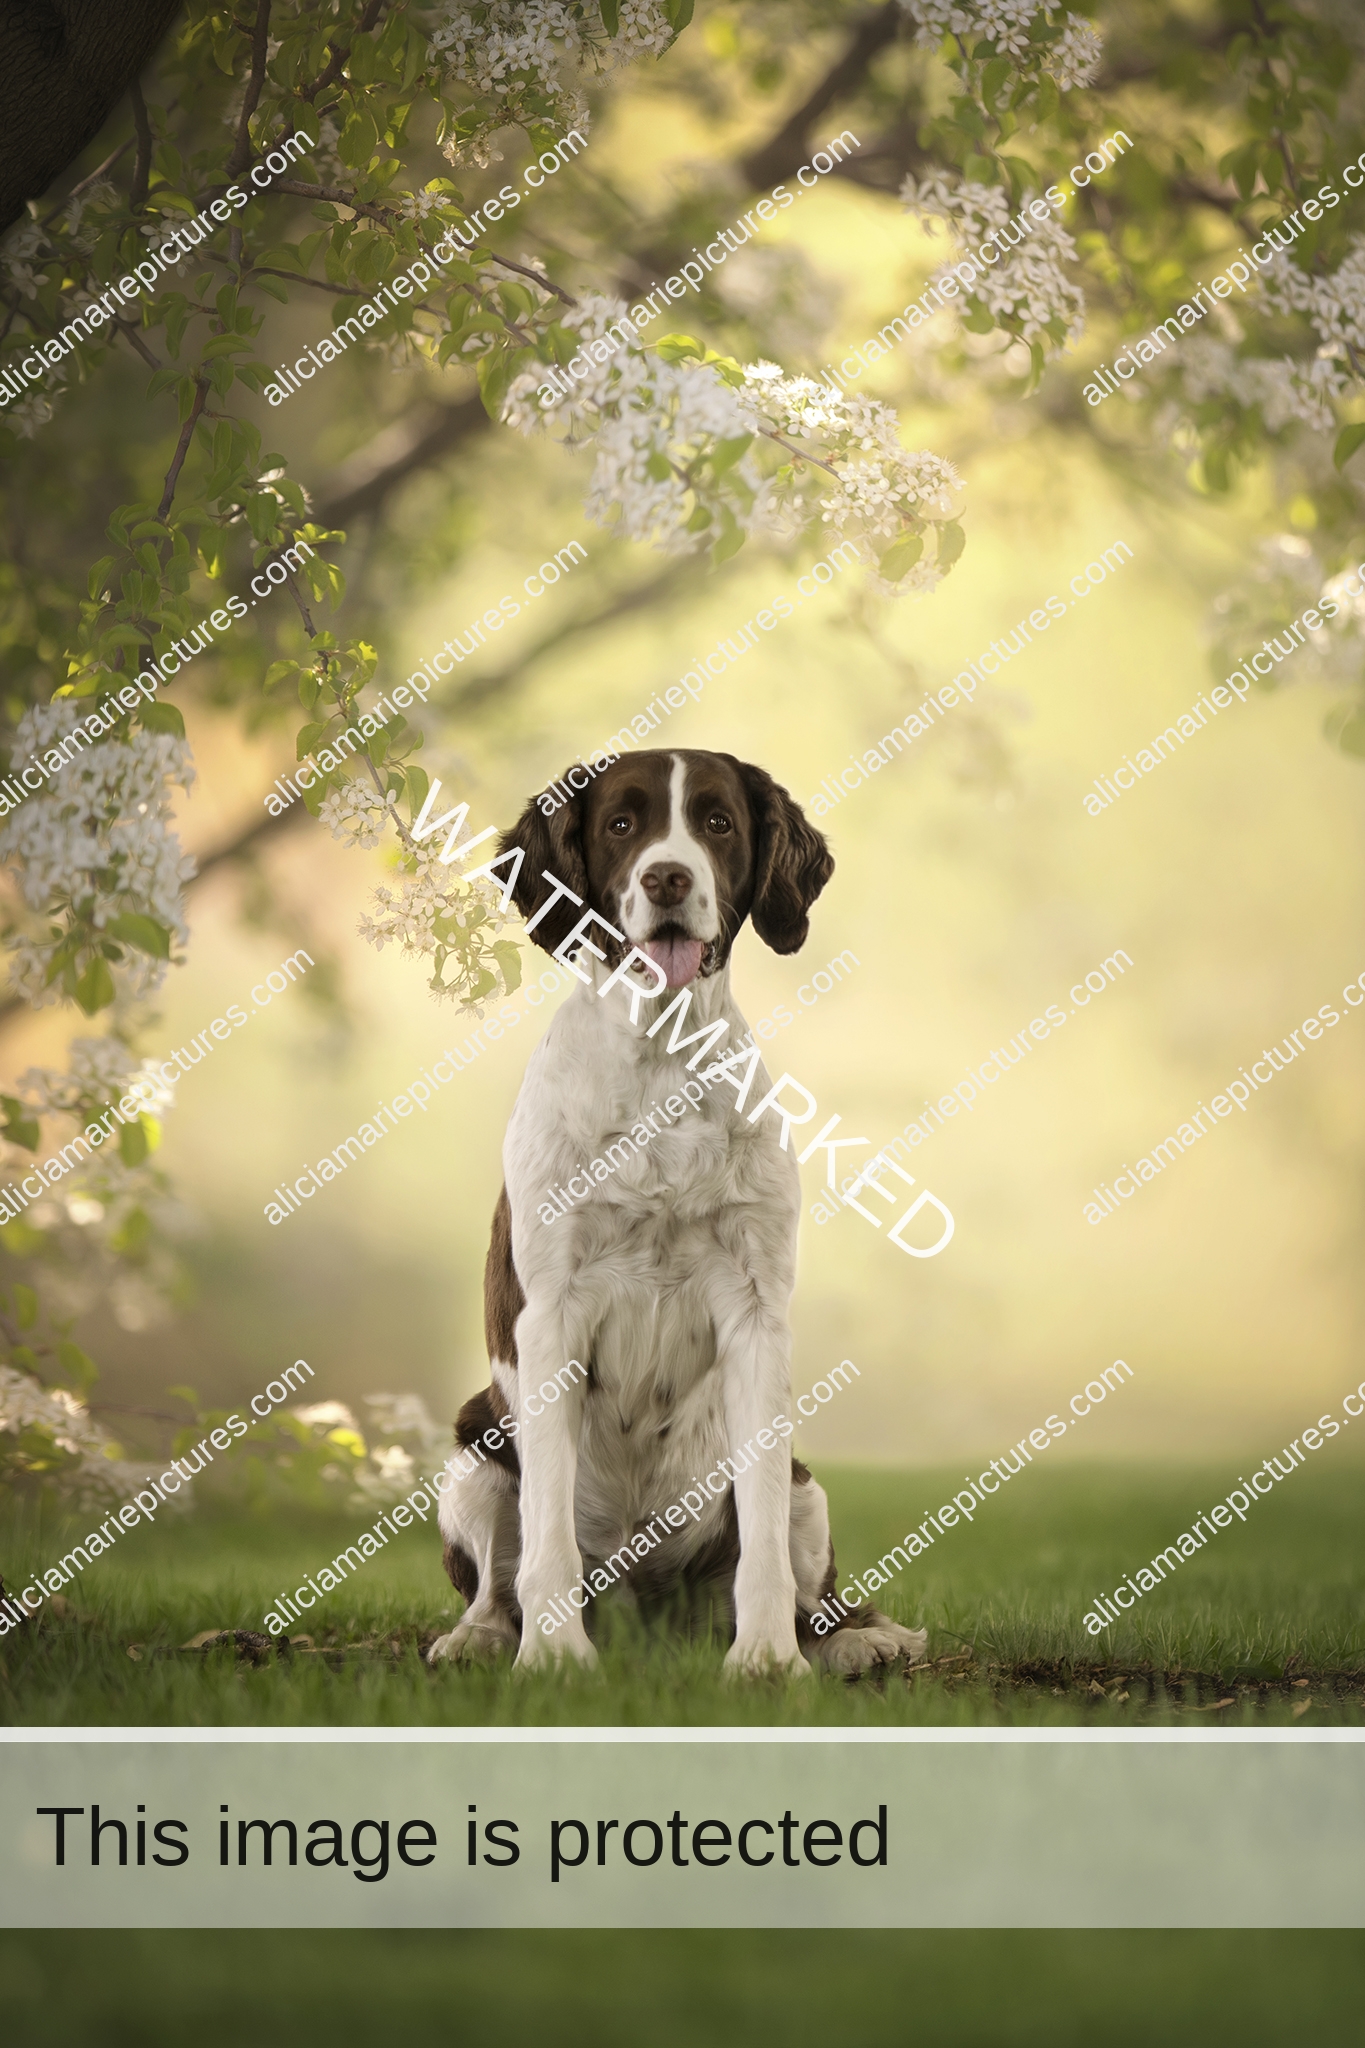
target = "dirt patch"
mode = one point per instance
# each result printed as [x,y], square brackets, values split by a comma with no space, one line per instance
[1144,1688]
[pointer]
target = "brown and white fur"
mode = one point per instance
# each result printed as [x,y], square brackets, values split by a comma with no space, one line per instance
[670,1280]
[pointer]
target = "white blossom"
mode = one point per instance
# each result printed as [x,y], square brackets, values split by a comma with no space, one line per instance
[1027,291]
[1335,304]
[57,1416]
[649,420]
[655,424]
[99,833]
[436,914]
[386,1473]
[404,1415]
[518,52]
[21,247]
[1071,58]
[32,412]
[326,1415]
[1074,59]
[356,815]
[1285,390]
[101,1070]
[881,488]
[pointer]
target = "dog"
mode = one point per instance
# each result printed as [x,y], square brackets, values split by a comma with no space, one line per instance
[666,1286]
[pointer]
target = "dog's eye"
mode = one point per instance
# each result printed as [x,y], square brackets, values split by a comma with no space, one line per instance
[621,823]
[718,822]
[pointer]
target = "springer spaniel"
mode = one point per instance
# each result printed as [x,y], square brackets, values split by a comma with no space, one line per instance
[670,1280]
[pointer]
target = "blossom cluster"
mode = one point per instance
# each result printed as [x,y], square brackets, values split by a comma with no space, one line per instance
[1287,575]
[1285,389]
[881,489]
[54,1437]
[1068,50]
[516,53]
[1334,304]
[356,814]
[98,836]
[676,446]
[439,915]
[100,1071]
[1027,293]
[382,1471]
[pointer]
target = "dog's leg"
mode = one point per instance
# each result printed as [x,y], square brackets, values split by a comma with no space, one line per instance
[868,1637]
[753,1346]
[479,1522]
[551,1564]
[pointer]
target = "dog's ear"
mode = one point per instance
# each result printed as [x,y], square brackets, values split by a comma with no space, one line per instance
[791,866]
[552,842]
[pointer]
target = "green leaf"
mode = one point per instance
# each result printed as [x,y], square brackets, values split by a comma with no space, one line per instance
[673,348]
[658,466]
[26,1304]
[132,1143]
[143,932]
[726,454]
[21,1126]
[901,555]
[95,989]
[611,16]
[508,957]
[1348,440]
[993,77]
[161,718]
[729,542]
[309,735]
[494,374]
[951,541]
[77,1364]
[418,783]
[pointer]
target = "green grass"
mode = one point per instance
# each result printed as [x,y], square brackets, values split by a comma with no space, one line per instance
[1268,1603]
[670,1990]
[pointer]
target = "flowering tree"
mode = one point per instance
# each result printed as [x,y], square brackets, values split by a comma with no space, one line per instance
[305,160]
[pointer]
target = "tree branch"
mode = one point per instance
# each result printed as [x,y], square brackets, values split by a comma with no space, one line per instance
[260,38]
[339,58]
[669,582]
[783,153]
[182,447]
[524,270]
[365,481]
[134,339]
[142,163]
[385,215]
[76,190]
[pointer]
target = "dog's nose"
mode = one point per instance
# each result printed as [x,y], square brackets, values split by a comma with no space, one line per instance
[667,883]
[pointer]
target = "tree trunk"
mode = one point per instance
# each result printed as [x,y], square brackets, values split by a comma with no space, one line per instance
[66,64]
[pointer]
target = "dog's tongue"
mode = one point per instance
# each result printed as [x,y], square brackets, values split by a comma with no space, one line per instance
[680,959]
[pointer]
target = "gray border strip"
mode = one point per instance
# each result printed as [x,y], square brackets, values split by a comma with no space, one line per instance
[293,1733]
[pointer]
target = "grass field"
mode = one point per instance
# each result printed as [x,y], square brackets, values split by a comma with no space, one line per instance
[1232,1637]
[671,1990]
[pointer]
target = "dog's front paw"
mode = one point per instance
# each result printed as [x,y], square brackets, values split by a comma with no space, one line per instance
[473,1642]
[540,1652]
[755,1656]
[850,1650]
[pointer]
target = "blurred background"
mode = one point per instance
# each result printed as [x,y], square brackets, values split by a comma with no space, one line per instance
[971,889]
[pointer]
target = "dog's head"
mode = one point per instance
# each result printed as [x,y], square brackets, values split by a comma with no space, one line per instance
[675,849]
